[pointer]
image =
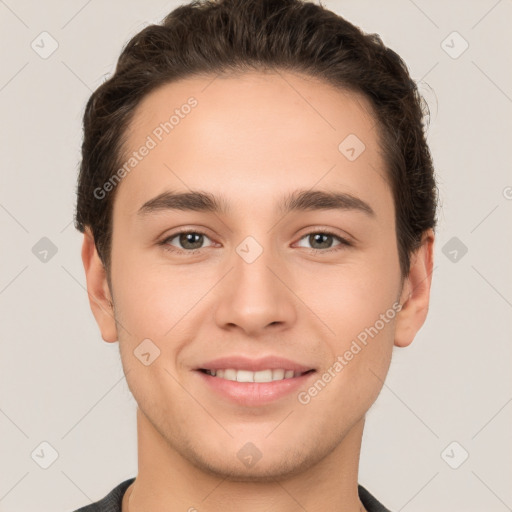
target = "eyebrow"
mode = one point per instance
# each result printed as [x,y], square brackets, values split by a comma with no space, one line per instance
[299,200]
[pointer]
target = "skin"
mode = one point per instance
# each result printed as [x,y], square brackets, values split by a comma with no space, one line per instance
[254,138]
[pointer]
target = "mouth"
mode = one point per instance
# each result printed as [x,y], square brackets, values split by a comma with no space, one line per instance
[261,376]
[247,388]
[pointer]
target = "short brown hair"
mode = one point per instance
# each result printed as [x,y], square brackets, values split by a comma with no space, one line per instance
[215,37]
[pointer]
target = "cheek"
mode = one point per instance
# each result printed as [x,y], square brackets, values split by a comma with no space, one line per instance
[359,356]
[364,327]
[352,298]
[152,302]
[144,300]
[360,306]
[161,302]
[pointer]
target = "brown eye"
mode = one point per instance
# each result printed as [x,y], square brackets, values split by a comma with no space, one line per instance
[186,241]
[323,241]
[190,240]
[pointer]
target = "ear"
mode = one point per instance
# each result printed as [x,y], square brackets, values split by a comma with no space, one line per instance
[415,294]
[100,298]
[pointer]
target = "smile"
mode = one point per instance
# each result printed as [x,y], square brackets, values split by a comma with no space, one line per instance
[248,388]
[268,375]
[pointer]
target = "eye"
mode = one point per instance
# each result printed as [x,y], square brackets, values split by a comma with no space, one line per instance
[324,241]
[189,241]
[192,241]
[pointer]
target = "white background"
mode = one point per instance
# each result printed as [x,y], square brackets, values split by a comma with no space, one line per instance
[62,384]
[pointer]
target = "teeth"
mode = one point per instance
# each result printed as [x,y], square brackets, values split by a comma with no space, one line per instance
[248,376]
[278,374]
[244,376]
[229,374]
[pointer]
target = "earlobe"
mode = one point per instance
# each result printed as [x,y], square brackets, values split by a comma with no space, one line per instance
[98,290]
[415,295]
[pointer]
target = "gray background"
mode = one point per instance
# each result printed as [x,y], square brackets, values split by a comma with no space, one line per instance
[61,384]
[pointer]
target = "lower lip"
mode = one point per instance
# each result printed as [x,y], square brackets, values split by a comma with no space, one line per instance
[254,393]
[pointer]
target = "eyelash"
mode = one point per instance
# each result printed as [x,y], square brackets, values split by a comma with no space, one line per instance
[343,242]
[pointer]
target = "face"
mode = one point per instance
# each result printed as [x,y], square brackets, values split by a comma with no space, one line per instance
[289,262]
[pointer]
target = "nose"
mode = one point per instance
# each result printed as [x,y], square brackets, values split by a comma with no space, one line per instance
[255,296]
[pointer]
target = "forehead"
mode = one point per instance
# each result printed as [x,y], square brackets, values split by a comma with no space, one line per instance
[249,135]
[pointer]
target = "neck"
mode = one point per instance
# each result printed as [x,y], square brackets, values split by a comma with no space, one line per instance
[168,481]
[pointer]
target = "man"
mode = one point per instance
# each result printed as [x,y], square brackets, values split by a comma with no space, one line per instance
[258,202]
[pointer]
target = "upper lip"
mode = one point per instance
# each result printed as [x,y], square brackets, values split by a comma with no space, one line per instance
[254,365]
